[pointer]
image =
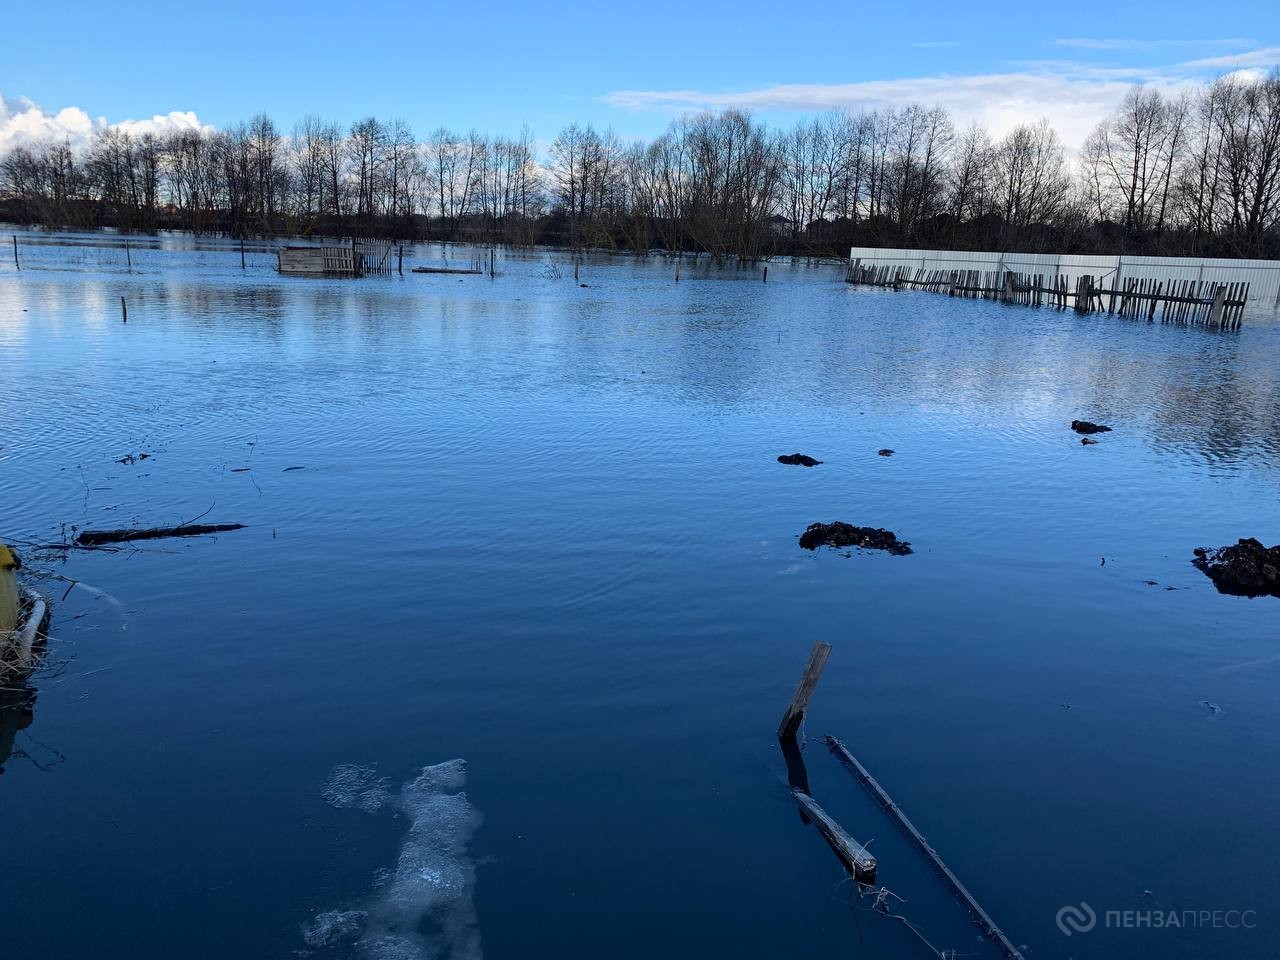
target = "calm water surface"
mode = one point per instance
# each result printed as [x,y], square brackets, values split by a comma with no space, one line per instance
[540,529]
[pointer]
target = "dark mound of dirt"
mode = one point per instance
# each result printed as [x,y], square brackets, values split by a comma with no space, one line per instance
[798,460]
[1084,426]
[1247,569]
[840,534]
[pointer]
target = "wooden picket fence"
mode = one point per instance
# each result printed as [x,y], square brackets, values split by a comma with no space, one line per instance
[1202,302]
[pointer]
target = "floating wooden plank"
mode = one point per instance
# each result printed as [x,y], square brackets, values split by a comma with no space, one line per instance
[857,859]
[895,812]
[794,716]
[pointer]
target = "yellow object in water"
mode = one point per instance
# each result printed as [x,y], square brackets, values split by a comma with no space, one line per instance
[8,590]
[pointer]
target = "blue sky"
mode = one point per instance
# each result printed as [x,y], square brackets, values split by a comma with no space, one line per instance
[497,65]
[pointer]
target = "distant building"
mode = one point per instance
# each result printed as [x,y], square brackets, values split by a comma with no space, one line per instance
[781,226]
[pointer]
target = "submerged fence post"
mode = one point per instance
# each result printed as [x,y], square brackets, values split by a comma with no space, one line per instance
[765,278]
[242,253]
[400,259]
[1219,301]
[794,716]
[128,257]
[859,861]
[124,311]
[16,264]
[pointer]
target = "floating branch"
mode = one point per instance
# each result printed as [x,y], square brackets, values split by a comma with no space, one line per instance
[93,538]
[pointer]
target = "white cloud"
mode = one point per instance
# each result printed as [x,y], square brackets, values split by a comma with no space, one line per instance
[1265,57]
[24,122]
[998,101]
[1116,43]
[1074,96]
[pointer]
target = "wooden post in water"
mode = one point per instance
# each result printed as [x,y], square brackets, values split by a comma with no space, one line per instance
[765,277]
[1219,301]
[128,257]
[400,259]
[242,253]
[678,268]
[16,264]
[857,858]
[794,716]
[124,311]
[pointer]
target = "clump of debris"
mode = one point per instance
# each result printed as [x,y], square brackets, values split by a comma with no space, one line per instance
[1084,426]
[840,534]
[798,460]
[1245,569]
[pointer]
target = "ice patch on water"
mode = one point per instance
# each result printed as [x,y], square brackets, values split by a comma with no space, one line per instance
[433,878]
[350,786]
[333,927]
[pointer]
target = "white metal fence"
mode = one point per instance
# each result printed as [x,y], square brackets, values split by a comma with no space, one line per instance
[1263,276]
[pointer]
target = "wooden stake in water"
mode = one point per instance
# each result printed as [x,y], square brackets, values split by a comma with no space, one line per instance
[128,256]
[1219,302]
[794,716]
[242,253]
[124,311]
[765,277]
[400,259]
[16,264]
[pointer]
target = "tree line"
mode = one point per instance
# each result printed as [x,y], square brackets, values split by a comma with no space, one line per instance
[1192,174]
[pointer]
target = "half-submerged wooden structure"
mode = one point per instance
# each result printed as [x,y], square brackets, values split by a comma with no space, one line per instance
[1211,292]
[1202,302]
[857,859]
[347,258]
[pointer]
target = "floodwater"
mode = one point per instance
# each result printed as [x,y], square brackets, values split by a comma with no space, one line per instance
[497,671]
